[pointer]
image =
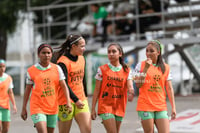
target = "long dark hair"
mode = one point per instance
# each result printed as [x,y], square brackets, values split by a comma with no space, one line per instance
[160,63]
[121,59]
[66,46]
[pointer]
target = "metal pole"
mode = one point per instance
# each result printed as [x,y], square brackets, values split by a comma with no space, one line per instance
[113,22]
[190,14]
[22,64]
[163,27]
[22,60]
[137,20]
[44,23]
[48,29]
[68,20]
[163,17]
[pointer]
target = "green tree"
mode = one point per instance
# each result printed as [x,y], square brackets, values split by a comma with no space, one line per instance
[8,19]
[9,10]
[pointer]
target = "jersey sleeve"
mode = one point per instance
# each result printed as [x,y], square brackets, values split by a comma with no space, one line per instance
[137,69]
[98,75]
[170,75]
[28,79]
[61,74]
[130,75]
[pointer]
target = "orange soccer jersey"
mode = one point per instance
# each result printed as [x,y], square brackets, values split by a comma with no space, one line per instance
[152,94]
[75,78]
[44,91]
[113,92]
[4,98]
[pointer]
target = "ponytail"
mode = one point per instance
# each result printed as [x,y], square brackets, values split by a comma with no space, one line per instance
[121,61]
[160,62]
[66,46]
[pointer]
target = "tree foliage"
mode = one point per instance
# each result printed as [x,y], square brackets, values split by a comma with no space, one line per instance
[9,10]
[8,20]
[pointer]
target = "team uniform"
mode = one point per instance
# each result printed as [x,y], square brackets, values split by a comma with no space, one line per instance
[44,101]
[113,92]
[152,94]
[5,84]
[75,74]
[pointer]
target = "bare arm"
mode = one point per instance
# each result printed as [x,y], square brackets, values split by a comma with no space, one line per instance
[12,99]
[25,101]
[95,98]
[170,93]
[66,92]
[130,90]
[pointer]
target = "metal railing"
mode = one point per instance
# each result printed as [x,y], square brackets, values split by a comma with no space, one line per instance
[167,28]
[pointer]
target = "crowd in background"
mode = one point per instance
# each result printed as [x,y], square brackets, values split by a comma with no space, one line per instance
[119,19]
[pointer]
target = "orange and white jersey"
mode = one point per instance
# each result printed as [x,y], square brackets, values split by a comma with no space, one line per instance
[113,91]
[45,89]
[152,94]
[5,84]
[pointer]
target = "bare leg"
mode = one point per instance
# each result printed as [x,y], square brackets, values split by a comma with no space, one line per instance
[118,125]
[84,121]
[148,125]
[50,130]
[5,126]
[162,125]
[64,127]
[41,127]
[0,126]
[110,125]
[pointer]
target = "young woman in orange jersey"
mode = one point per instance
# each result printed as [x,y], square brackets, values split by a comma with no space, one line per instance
[6,94]
[153,78]
[44,79]
[113,81]
[70,58]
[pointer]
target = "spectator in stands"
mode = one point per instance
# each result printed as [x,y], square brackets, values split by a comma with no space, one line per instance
[118,26]
[99,25]
[125,7]
[157,5]
[145,7]
[122,25]
[130,25]
[99,14]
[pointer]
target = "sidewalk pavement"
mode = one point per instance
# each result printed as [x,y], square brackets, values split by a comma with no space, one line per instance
[129,125]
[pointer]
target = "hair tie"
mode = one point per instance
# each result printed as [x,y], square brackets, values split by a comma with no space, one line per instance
[44,45]
[159,43]
[76,40]
[2,61]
